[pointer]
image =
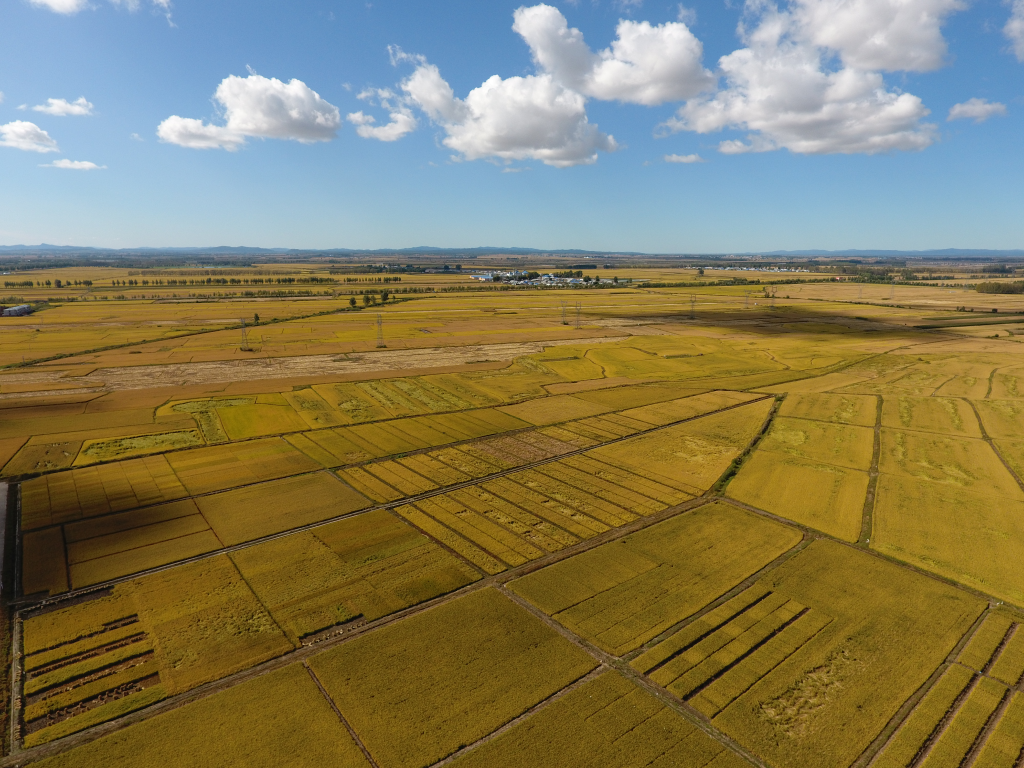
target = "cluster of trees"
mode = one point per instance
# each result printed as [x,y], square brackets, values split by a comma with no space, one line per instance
[1015,287]
[47,283]
[373,279]
[233,281]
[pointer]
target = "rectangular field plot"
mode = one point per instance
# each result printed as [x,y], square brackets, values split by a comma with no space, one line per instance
[554,409]
[968,464]
[840,445]
[607,722]
[225,466]
[266,721]
[279,505]
[92,491]
[690,456]
[858,410]
[968,535]
[945,415]
[820,496]
[418,690]
[149,638]
[624,593]
[365,567]
[1002,418]
[806,667]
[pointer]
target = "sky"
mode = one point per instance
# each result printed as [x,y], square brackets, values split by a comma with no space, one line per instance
[716,126]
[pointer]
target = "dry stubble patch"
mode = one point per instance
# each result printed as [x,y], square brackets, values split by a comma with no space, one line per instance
[888,629]
[970,464]
[607,722]
[944,415]
[279,505]
[553,410]
[624,593]
[416,691]
[278,719]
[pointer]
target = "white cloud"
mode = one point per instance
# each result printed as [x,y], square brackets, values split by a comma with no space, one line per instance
[978,110]
[1014,29]
[257,107]
[74,165]
[61,6]
[28,137]
[684,159]
[518,118]
[890,35]
[402,120]
[780,88]
[645,64]
[64,108]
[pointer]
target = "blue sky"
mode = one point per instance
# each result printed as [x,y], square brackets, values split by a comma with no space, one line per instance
[601,124]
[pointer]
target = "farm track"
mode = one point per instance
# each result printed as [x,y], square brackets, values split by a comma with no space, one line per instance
[991,443]
[869,497]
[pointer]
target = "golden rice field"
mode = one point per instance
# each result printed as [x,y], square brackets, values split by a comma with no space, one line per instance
[777,534]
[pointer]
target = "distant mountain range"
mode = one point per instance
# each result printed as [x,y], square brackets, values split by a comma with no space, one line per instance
[225,250]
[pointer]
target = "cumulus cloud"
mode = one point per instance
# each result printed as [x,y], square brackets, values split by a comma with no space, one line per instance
[61,6]
[64,108]
[1014,29]
[517,118]
[684,159]
[74,165]
[27,137]
[257,107]
[401,122]
[890,35]
[782,89]
[978,110]
[646,64]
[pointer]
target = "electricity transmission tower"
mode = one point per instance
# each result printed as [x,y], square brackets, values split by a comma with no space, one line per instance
[245,339]
[564,321]
[380,332]
[577,315]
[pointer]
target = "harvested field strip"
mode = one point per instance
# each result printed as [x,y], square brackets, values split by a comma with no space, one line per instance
[912,737]
[1008,666]
[58,702]
[575,522]
[618,495]
[1006,743]
[117,634]
[462,461]
[80,669]
[302,442]
[407,687]
[83,550]
[590,505]
[590,431]
[407,482]
[370,486]
[565,436]
[478,557]
[964,729]
[537,531]
[432,469]
[203,470]
[624,593]
[455,504]
[482,533]
[978,653]
[621,478]
[740,675]
[143,558]
[609,722]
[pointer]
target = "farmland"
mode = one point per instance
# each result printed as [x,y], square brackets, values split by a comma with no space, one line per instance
[728,531]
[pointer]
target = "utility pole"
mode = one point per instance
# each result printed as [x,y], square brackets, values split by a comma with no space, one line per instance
[564,321]
[380,332]
[245,340]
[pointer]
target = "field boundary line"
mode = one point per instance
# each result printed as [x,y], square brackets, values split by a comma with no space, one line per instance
[874,749]
[992,444]
[739,589]
[351,731]
[943,724]
[674,702]
[601,669]
[718,489]
[305,651]
[24,604]
[986,732]
[867,520]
